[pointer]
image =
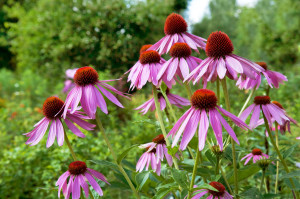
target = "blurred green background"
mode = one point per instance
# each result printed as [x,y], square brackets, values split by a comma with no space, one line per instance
[40,39]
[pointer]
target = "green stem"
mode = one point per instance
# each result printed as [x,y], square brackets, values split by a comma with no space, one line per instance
[247,101]
[277,163]
[225,179]
[226,96]
[201,161]
[188,89]
[100,126]
[262,180]
[218,91]
[278,153]
[171,110]
[162,126]
[217,165]
[70,147]
[194,174]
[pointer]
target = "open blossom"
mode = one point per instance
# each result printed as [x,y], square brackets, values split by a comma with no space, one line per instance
[156,151]
[220,194]
[79,176]
[273,78]
[87,93]
[256,154]
[204,102]
[176,31]
[146,70]
[270,110]
[69,82]
[180,64]
[52,110]
[174,99]
[222,62]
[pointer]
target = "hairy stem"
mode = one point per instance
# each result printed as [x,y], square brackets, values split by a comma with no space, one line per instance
[194,174]
[218,91]
[226,96]
[160,120]
[262,180]
[100,126]
[247,101]
[277,163]
[188,89]
[225,179]
[70,147]
[279,154]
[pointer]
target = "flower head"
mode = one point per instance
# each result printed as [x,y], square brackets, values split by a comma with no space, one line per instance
[270,110]
[87,93]
[52,110]
[176,31]
[146,69]
[174,99]
[79,175]
[204,102]
[155,153]
[221,192]
[273,78]
[222,62]
[180,64]
[256,154]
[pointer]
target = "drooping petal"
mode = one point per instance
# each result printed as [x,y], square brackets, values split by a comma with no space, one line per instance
[203,127]
[52,134]
[98,175]
[74,129]
[59,132]
[94,184]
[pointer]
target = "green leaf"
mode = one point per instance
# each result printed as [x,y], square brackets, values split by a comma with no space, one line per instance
[122,155]
[180,177]
[172,151]
[106,163]
[210,157]
[252,193]
[142,178]
[286,153]
[245,172]
[162,193]
[291,174]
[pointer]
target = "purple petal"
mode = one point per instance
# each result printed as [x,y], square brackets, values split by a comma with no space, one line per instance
[74,129]
[94,184]
[203,127]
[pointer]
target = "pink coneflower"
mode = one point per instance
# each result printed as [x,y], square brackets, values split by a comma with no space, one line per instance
[69,82]
[79,176]
[86,92]
[181,62]
[270,110]
[204,102]
[147,158]
[146,69]
[272,77]
[155,151]
[221,194]
[221,61]
[176,31]
[52,110]
[256,154]
[174,99]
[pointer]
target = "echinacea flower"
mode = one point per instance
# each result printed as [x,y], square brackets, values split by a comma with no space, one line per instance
[222,62]
[220,194]
[256,154]
[270,110]
[273,78]
[79,175]
[181,62]
[176,31]
[87,93]
[146,69]
[155,153]
[204,102]
[147,158]
[69,82]
[52,110]
[174,99]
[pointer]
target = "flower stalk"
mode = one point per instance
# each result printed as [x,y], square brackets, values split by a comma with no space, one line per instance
[279,154]
[100,126]
[194,174]
[262,180]
[277,163]
[226,96]
[247,101]
[162,126]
